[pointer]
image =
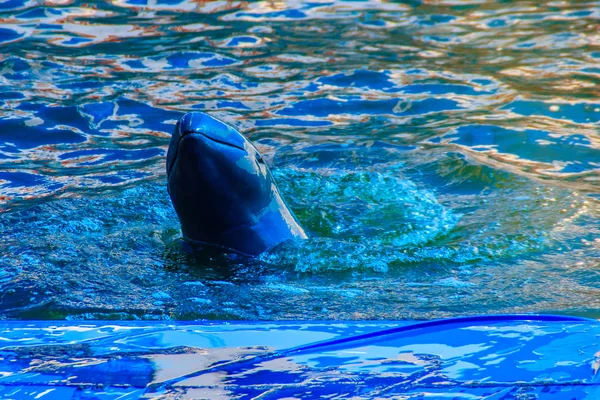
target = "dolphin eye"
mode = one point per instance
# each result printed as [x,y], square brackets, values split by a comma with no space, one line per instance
[259,159]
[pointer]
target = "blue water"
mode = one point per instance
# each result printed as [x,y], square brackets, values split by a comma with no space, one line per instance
[444,157]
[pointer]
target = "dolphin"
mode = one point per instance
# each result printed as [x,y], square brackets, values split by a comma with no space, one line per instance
[223,191]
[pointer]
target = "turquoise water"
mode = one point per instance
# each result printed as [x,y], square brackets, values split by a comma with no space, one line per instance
[444,156]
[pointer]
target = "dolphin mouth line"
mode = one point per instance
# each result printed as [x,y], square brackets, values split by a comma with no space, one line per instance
[188,133]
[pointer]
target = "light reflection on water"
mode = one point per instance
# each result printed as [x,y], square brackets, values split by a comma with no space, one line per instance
[444,156]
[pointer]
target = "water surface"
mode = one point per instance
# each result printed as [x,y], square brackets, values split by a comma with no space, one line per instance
[444,156]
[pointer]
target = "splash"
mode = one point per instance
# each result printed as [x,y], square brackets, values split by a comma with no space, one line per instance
[368,218]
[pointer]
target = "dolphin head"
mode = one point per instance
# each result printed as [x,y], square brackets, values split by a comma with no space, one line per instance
[221,189]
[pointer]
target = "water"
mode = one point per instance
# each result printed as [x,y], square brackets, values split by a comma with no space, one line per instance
[444,156]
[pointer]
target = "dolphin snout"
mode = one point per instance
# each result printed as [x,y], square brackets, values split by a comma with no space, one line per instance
[202,130]
[210,128]
[207,137]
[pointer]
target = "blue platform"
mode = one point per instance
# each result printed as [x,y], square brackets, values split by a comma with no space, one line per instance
[499,357]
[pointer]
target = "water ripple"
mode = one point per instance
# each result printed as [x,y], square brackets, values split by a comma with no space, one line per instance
[450,148]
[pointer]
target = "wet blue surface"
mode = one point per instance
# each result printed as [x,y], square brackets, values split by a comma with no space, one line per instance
[507,357]
[443,157]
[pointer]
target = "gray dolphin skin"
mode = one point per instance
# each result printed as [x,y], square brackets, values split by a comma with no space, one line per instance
[222,190]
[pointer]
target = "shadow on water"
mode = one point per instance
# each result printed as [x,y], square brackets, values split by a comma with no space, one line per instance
[443,157]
